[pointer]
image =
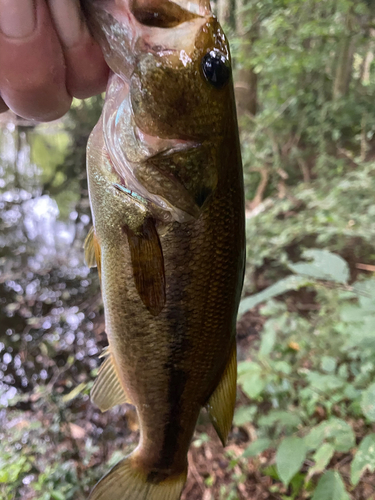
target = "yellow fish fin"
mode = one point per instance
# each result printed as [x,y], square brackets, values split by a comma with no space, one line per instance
[107,390]
[89,249]
[148,265]
[92,251]
[221,404]
[105,352]
[128,480]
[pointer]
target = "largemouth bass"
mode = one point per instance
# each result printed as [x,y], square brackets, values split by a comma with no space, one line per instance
[166,193]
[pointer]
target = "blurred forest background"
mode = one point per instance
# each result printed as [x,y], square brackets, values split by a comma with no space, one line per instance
[305,420]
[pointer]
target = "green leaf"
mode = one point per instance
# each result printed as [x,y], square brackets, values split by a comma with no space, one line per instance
[336,431]
[4,476]
[340,433]
[324,266]
[287,419]
[297,485]
[254,385]
[257,447]
[282,286]
[368,403]
[321,457]
[244,367]
[328,364]
[268,340]
[252,379]
[364,459]
[283,367]
[74,393]
[244,415]
[324,382]
[290,457]
[57,495]
[366,293]
[331,487]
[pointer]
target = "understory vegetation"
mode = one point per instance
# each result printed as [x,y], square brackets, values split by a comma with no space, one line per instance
[304,426]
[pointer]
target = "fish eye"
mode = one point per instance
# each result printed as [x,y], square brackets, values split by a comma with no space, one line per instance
[216,69]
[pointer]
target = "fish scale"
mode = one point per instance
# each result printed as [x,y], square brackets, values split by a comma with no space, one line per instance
[168,212]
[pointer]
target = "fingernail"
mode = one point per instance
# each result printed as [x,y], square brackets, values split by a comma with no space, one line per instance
[17,18]
[67,17]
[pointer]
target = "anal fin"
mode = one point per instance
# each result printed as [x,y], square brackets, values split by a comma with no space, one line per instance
[108,390]
[92,251]
[221,404]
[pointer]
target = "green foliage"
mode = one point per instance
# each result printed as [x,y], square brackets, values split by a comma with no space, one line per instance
[257,447]
[364,459]
[282,286]
[324,266]
[306,369]
[298,55]
[368,403]
[336,215]
[308,386]
[322,457]
[40,455]
[290,456]
[330,487]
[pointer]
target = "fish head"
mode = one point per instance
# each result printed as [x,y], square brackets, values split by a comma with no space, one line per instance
[181,84]
[175,58]
[169,118]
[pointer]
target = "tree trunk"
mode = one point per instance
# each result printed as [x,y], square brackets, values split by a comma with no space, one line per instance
[246,86]
[223,11]
[345,56]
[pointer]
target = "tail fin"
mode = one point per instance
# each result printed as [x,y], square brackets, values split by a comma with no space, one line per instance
[125,482]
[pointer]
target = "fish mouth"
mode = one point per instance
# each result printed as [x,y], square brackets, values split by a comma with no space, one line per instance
[165,14]
[127,28]
[158,147]
[168,14]
[170,28]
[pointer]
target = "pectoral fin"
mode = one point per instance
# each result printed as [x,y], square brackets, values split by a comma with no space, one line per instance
[108,390]
[148,265]
[92,251]
[221,404]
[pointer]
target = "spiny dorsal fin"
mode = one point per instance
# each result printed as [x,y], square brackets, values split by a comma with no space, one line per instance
[148,265]
[221,404]
[108,390]
[92,251]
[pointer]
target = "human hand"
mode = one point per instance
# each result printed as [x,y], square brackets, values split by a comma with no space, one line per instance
[47,56]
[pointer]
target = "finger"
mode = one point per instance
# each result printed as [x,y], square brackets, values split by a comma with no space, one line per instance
[32,67]
[86,71]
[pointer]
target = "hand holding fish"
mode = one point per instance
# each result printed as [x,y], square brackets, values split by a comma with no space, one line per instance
[47,57]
